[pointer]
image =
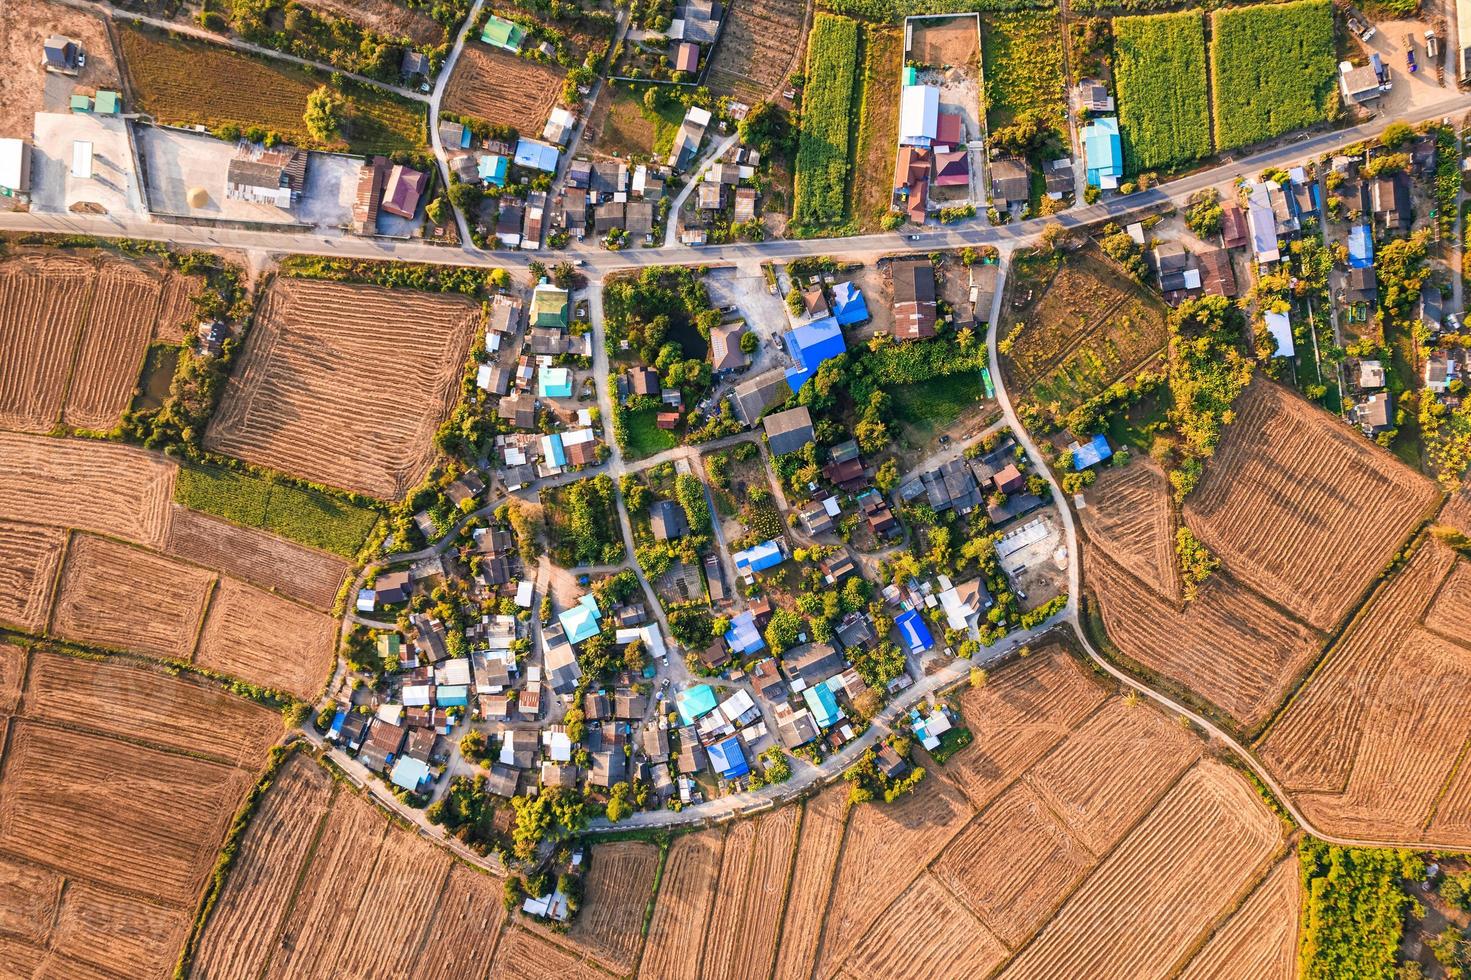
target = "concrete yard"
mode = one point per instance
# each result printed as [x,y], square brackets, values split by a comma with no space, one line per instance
[112,187]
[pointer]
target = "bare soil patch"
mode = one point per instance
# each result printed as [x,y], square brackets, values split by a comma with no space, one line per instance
[386,17]
[369,372]
[267,640]
[946,42]
[503,88]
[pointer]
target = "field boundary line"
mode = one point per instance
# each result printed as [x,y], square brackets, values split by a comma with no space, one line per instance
[5,742]
[654,889]
[85,321]
[205,610]
[1446,786]
[1253,885]
[301,873]
[786,891]
[121,891]
[582,956]
[54,594]
[1353,618]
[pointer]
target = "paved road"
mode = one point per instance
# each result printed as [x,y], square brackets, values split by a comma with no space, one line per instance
[437,98]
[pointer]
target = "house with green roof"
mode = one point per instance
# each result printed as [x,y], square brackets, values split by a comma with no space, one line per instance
[548,306]
[503,34]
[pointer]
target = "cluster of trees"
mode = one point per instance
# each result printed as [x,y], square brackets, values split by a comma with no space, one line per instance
[1354,909]
[867,782]
[1196,561]
[317,35]
[1203,214]
[591,533]
[467,812]
[398,275]
[1207,373]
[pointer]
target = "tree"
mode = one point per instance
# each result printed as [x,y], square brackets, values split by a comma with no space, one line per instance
[437,210]
[619,808]
[783,629]
[887,477]
[749,342]
[1397,134]
[323,116]
[473,745]
[891,221]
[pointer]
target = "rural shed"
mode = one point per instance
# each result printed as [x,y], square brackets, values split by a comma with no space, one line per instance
[502,34]
[916,634]
[1104,153]
[536,155]
[758,558]
[789,431]
[1279,325]
[15,168]
[729,759]
[1090,453]
[919,115]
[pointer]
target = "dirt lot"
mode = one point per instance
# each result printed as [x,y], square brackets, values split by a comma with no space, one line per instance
[1374,740]
[78,326]
[1076,332]
[386,17]
[503,89]
[1300,507]
[25,87]
[368,371]
[941,42]
[761,43]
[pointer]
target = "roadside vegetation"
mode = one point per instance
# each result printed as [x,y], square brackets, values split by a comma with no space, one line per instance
[823,161]
[1159,66]
[1273,68]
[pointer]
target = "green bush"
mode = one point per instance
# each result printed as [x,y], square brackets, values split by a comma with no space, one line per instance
[1354,907]
[1273,69]
[1159,65]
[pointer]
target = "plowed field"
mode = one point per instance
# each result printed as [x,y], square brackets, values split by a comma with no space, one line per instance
[1129,519]
[503,89]
[267,640]
[925,934]
[1302,509]
[1260,938]
[823,820]
[619,885]
[753,879]
[299,573]
[369,372]
[760,43]
[30,554]
[682,911]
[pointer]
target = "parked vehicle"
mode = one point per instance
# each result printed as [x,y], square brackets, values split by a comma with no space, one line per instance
[1361,28]
[1432,47]
[1410,60]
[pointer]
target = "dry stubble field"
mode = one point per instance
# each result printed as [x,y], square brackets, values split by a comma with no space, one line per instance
[94,881]
[75,329]
[369,372]
[503,89]
[760,43]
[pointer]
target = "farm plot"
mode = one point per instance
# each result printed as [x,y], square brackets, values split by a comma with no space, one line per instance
[381,941]
[503,89]
[387,18]
[1013,865]
[1273,70]
[681,913]
[1451,610]
[178,713]
[12,676]
[1184,863]
[1302,509]
[823,160]
[523,954]
[188,82]
[29,557]
[883,851]
[125,598]
[267,640]
[75,328]
[1017,717]
[823,819]
[1164,112]
[1129,519]
[1086,327]
[619,885]
[1021,54]
[93,486]
[310,577]
[98,816]
[925,933]
[467,923]
[760,44]
[1260,938]
[322,358]
[742,938]
[878,127]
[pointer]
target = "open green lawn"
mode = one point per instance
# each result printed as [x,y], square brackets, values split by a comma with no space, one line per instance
[933,405]
[1159,66]
[1273,69]
[189,82]
[305,516]
[645,438]
[1021,57]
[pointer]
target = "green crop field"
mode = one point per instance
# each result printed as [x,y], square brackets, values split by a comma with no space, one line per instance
[1164,113]
[188,82]
[312,518]
[823,159]
[1273,68]
[1021,57]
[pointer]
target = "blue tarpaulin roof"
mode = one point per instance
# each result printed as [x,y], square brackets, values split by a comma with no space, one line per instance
[694,703]
[849,306]
[536,155]
[729,758]
[743,636]
[758,558]
[916,633]
[1092,452]
[1360,247]
[810,345]
[823,705]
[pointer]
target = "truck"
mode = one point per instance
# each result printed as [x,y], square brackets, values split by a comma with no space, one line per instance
[1432,47]
[1361,28]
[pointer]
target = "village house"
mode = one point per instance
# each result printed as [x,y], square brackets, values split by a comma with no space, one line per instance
[914,298]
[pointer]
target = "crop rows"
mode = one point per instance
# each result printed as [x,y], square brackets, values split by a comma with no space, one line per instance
[1159,64]
[823,161]
[1274,70]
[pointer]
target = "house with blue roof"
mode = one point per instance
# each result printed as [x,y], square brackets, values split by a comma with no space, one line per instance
[849,307]
[581,621]
[536,155]
[409,773]
[743,637]
[810,345]
[452,695]
[1104,152]
[554,382]
[1091,453]
[916,634]
[492,169]
[729,759]
[1360,247]
[694,703]
[823,705]
[758,558]
[553,451]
